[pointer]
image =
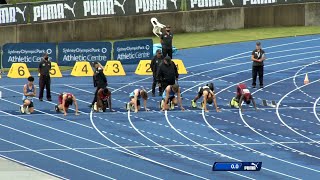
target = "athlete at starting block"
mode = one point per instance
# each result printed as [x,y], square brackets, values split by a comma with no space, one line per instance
[103,100]
[29,91]
[207,92]
[242,95]
[64,101]
[134,103]
[168,97]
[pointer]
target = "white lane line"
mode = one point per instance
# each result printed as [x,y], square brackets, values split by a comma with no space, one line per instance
[67,133]
[174,152]
[294,78]
[248,148]
[283,45]
[138,155]
[148,146]
[249,62]
[230,74]
[248,52]
[254,130]
[282,70]
[281,120]
[30,166]
[78,151]
[220,77]
[314,109]
[273,52]
[51,157]
[45,112]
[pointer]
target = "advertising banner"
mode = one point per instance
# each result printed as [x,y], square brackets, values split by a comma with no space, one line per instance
[29,53]
[212,4]
[53,11]
[14,14]
[71,52]
[100,8]
[48,11]
[131,52]
[154,6]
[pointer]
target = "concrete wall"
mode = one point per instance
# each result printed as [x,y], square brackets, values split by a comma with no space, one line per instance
[7,34]
[312,17]
[139,25]
[270,16]
[209,20]
[125,26]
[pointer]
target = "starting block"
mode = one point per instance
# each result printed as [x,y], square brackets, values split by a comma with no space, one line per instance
[272,104]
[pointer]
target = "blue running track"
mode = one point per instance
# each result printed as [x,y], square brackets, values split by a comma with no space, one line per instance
[176,144]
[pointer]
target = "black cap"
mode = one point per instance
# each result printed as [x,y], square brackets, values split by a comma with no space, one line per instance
[167,58]
[158,51]
[258,43]
[96,62]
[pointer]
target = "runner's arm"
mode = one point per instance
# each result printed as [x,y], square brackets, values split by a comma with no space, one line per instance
[75,103]
[240,102]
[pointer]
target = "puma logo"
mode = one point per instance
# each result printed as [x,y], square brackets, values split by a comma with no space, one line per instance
[18,10]
[175,3]
[66,6]
[120,5]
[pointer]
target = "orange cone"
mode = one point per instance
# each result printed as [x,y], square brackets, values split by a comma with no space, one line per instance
[306,79]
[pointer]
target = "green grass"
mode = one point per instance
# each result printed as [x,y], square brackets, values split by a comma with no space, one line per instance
[190,40]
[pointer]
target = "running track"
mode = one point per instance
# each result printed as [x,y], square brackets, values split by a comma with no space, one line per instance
[175,144]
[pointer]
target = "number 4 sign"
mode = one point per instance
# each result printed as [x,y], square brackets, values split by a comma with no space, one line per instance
[82,68]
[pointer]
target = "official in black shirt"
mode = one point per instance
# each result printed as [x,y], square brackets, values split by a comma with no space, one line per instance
[258,57]
[99,80]
[166,42]
[167,74]
[44,79]
[155,63]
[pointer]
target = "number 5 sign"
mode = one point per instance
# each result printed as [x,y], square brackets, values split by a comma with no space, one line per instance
[18,70]
[54,71]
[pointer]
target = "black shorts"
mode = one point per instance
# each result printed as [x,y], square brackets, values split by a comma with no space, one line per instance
[138,101]
[105,102]
[170,98]
[200,92]
[30,105]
